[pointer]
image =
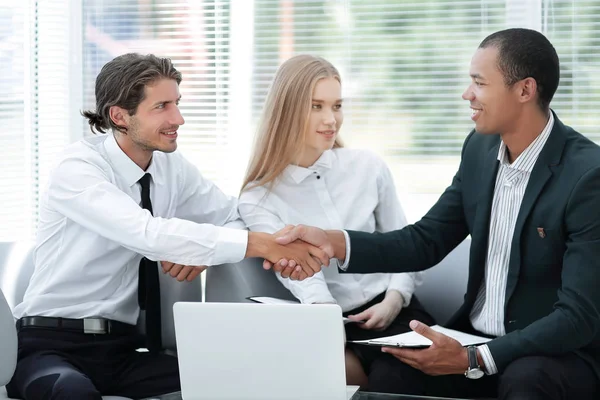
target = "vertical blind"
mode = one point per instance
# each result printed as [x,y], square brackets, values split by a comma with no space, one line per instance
[15,142]
[403,63]
[195,35]
[39,104]
[573,26]
[404,66]
[56,85]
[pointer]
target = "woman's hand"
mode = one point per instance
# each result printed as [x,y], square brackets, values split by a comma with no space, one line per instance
[381,315]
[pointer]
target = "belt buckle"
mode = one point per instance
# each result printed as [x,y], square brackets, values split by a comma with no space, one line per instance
[94,326]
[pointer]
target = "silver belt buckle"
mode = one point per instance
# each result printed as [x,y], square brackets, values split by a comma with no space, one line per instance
[94,326]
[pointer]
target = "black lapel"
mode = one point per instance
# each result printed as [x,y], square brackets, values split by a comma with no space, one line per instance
[549,158]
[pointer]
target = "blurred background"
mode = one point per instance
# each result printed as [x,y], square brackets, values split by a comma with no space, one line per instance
[404,66]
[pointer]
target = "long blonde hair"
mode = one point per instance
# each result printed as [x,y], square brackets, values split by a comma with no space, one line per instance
[284,122]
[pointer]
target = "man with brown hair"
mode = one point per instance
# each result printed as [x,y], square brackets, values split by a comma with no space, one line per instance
[115,204]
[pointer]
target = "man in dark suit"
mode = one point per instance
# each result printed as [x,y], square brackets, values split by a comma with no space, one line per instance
[528,192]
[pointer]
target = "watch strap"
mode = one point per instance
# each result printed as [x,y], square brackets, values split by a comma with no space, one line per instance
[472,354]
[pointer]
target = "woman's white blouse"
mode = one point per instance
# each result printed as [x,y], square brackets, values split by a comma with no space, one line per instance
[344,189]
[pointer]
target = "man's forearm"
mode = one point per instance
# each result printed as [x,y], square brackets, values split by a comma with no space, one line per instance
[258,244]
[338,242]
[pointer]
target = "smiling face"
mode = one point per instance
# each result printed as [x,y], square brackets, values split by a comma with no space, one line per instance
[325,119]
[154,125]
[495,106]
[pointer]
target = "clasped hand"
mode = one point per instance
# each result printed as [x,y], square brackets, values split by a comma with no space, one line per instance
[292,250]
[300,235]
[182,272]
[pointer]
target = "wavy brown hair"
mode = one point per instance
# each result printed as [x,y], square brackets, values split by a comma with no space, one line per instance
[122,82]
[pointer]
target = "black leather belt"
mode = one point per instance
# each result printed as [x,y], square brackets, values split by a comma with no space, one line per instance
[96,326]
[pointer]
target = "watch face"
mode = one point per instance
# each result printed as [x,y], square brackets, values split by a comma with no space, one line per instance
[474,373]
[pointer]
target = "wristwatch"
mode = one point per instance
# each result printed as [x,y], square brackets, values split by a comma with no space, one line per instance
[474,371]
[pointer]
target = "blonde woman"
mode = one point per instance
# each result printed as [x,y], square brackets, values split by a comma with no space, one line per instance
[300,173]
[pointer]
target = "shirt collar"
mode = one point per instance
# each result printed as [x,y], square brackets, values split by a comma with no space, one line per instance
[529,156]
[124,165]
[322,165]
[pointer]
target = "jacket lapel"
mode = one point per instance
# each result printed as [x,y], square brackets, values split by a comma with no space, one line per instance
[542,171]
[481,223]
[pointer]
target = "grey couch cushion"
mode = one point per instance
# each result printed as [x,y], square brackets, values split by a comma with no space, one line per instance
[15,270]
[233,283]
[8,342]
[172,291]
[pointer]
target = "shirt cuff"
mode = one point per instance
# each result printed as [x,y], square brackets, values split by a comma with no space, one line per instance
[311,290]
[406,295]
[488,360]
[230,246]
[404,284]
[318,298]
[344,266]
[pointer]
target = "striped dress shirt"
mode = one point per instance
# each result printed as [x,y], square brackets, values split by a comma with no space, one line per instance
[487,315]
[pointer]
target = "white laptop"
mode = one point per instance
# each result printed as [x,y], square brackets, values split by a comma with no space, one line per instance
[242,351]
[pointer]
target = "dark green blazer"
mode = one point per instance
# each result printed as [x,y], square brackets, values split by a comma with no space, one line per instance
[553,291]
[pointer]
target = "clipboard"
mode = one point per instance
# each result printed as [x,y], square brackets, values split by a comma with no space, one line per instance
[413,340]
[375,343]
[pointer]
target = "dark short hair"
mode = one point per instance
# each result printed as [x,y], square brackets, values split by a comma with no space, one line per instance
[525,53]
[122,82]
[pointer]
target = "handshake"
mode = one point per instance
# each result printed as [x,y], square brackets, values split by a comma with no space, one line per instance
[297,252]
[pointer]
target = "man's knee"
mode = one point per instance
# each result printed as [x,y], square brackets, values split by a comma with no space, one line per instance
[526,378]
[390,375]
[61,386]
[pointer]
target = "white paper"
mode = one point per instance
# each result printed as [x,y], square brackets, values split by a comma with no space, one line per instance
[413,339]
[274,300]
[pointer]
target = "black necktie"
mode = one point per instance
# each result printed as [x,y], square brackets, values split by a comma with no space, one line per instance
[148,284]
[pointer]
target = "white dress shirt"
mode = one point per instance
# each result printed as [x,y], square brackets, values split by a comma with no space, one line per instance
[343,189]
[487,314]
[93,232]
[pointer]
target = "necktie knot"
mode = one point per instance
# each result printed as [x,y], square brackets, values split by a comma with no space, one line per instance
[145,181]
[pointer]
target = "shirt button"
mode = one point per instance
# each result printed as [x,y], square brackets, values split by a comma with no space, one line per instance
[318,176]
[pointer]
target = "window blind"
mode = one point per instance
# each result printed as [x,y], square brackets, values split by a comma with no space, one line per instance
[15,142]
[195,35]
[573,26]
[404,66]
[56,86]
[403,63]
[37,103]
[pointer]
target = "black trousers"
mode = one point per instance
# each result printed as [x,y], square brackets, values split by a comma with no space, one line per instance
[378,366]
[57,364]
[566,377]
